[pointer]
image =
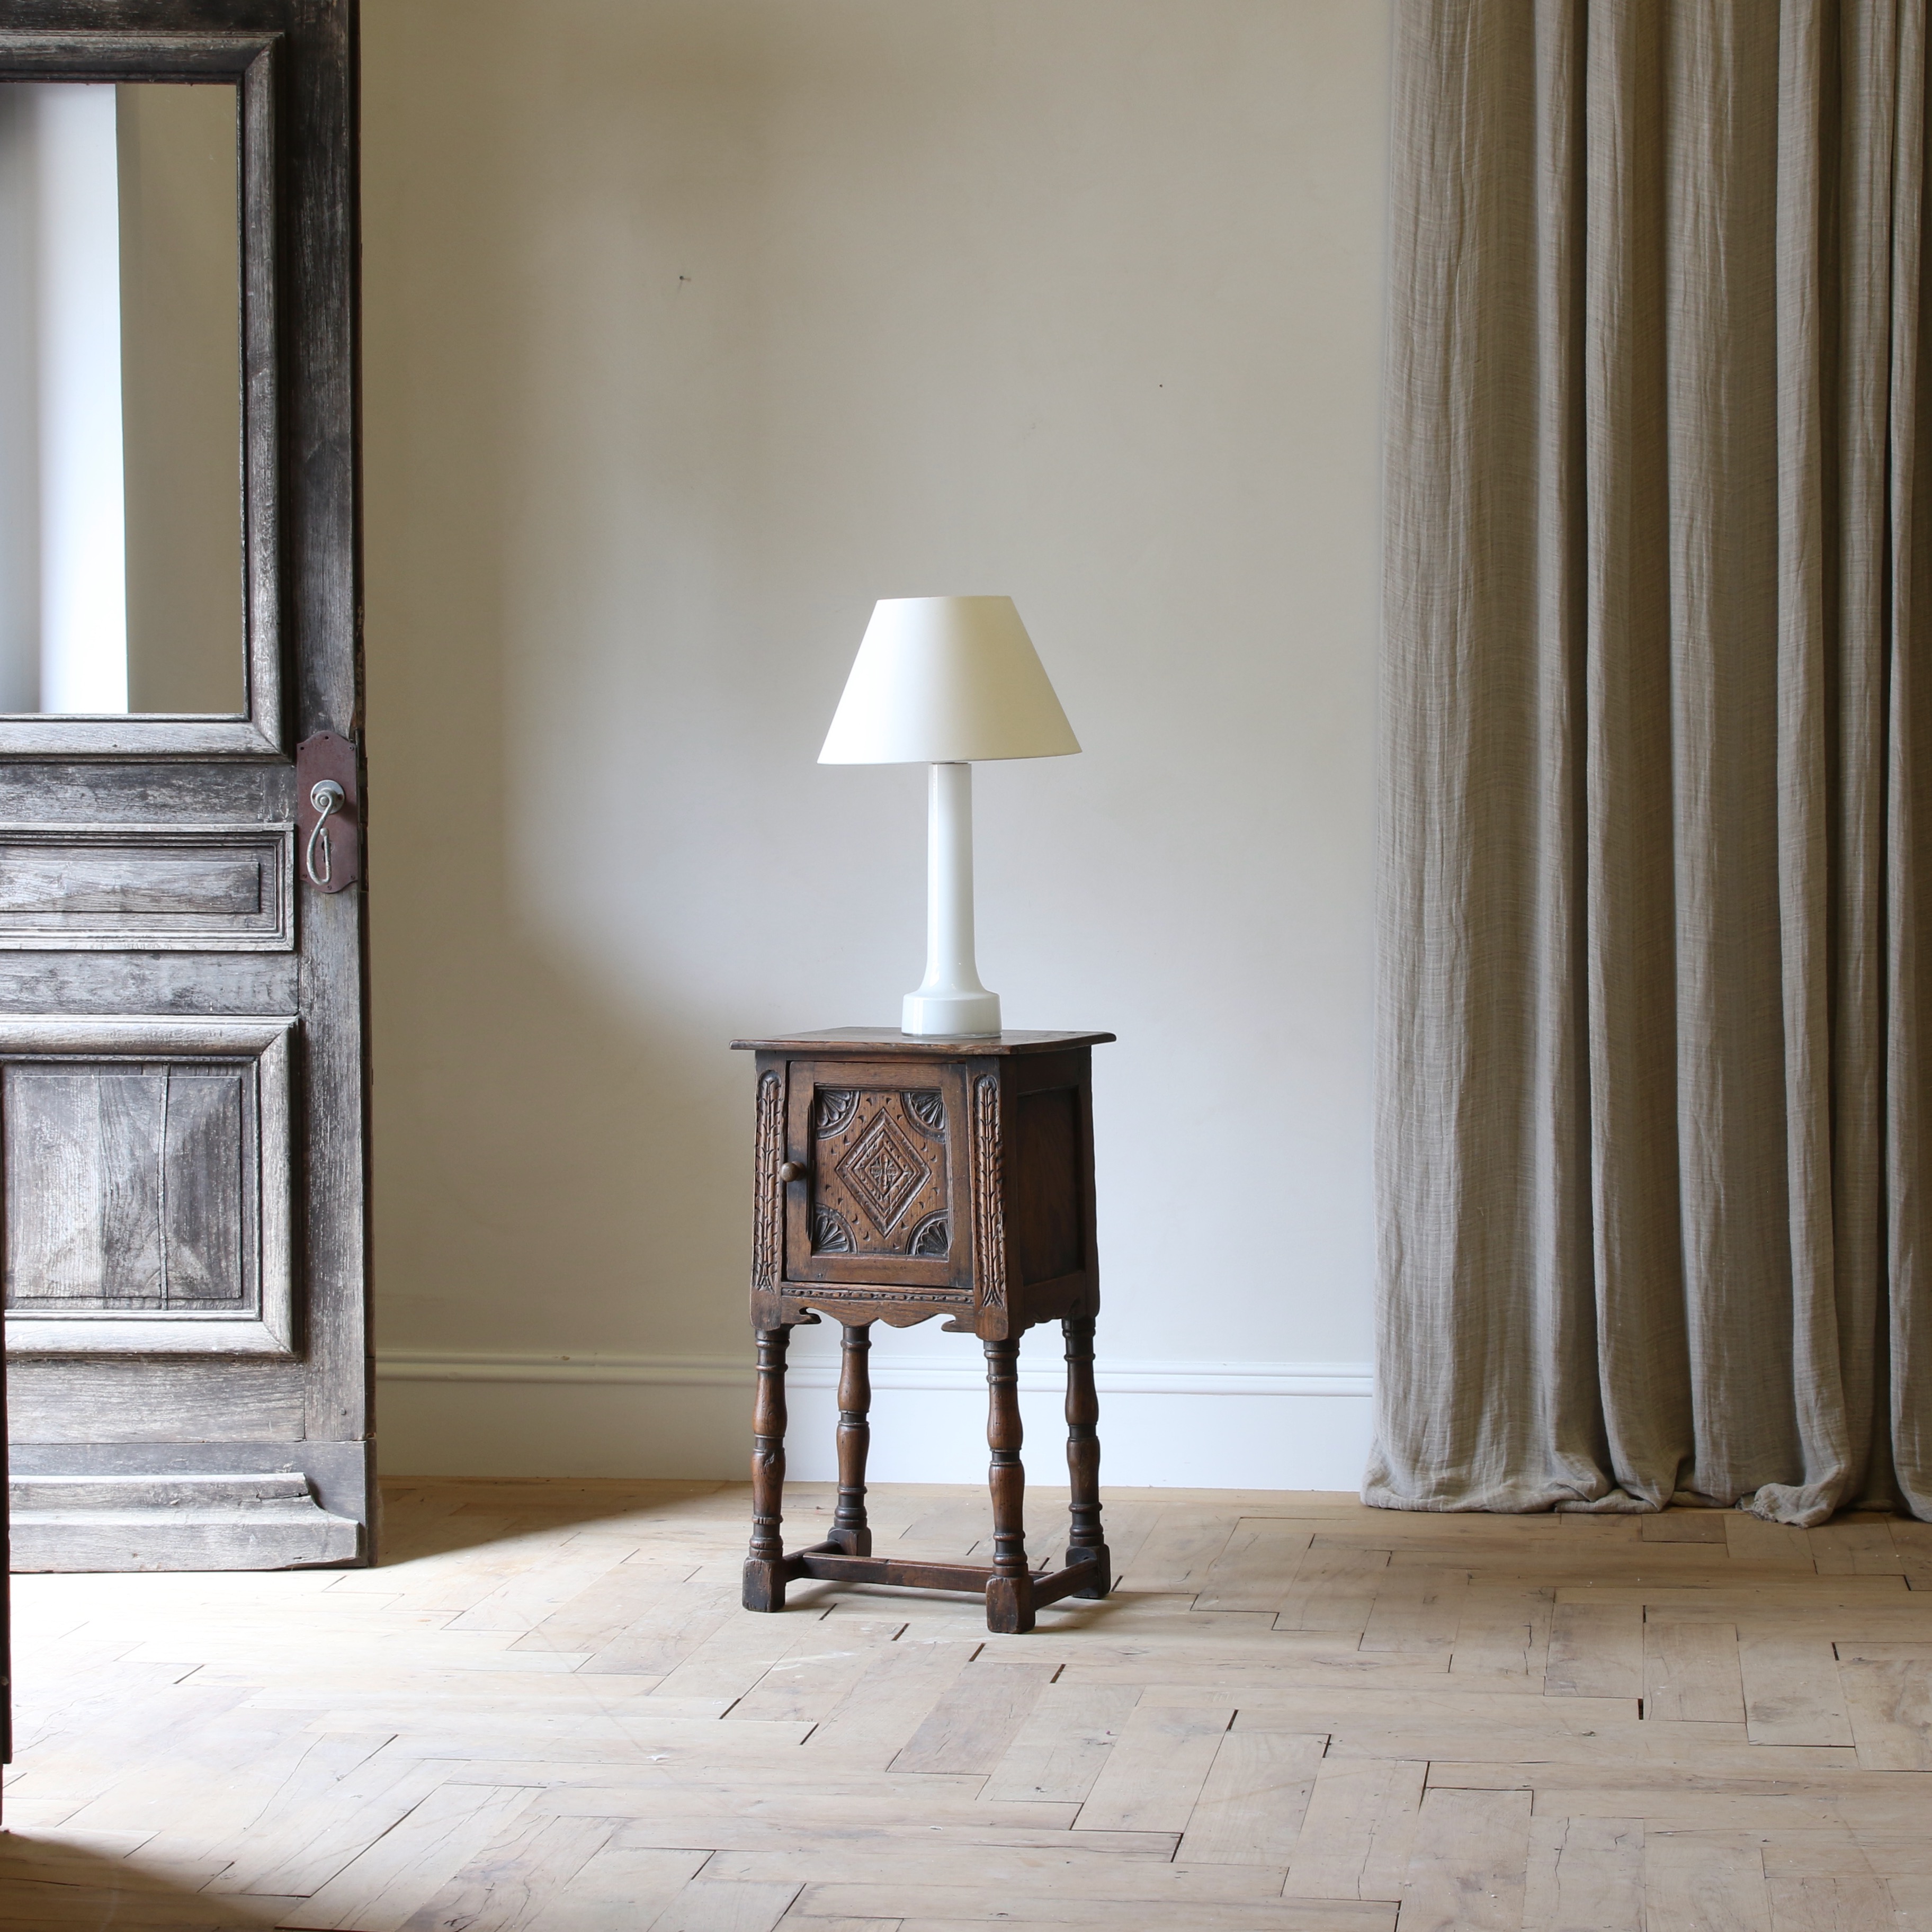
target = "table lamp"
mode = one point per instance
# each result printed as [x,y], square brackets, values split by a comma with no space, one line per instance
[941,681]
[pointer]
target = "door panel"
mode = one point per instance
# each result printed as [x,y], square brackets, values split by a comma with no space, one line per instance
[211,889]
[879,1158]
[183,1145]
[886,1168]
[147,1168]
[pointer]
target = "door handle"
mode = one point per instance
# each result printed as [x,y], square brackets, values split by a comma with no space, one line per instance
[323,799]
[328,823]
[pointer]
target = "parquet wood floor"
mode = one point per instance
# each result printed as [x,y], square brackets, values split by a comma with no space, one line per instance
[546,1711]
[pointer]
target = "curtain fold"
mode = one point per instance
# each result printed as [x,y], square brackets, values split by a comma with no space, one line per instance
[1655,760]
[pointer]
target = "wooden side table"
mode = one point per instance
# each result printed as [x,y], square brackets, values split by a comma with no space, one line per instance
[899,1178]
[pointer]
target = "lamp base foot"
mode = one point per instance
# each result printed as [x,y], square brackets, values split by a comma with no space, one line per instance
[951,1015]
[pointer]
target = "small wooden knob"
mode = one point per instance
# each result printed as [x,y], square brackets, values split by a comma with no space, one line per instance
[791,1171]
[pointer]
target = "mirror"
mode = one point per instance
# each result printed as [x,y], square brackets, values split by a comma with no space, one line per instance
[121,494]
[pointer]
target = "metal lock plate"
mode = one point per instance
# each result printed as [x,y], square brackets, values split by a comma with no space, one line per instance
[328,815]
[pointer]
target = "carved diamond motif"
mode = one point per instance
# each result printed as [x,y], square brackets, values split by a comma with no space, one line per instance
[883,1172]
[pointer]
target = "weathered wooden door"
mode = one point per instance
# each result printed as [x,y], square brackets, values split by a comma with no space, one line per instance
[182,1077]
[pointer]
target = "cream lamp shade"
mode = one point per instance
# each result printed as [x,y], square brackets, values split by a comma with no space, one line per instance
[944,680]
[940,681]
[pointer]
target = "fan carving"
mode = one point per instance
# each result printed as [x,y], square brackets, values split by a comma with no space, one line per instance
[830,1235]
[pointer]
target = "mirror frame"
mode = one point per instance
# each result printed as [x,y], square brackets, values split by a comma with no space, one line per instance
[247,61]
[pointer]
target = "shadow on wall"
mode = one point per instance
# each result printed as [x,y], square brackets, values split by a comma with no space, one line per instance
[559,1131]
[689,329]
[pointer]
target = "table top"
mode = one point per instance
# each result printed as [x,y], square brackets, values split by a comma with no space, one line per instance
[932,1046]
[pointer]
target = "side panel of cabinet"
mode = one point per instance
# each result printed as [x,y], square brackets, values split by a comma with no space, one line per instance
[1052,1268]
[1047,1240]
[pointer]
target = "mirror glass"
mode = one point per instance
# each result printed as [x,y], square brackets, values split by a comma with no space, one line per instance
[120,529]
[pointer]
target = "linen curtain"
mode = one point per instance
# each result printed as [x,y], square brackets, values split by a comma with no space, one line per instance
[1658,603]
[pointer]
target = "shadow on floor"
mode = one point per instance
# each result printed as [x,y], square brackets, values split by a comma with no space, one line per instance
[50,1883]
[436,1515]
[433,1516]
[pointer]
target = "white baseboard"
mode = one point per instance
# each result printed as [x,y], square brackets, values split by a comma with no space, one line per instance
[1186,1424]
[819,1369]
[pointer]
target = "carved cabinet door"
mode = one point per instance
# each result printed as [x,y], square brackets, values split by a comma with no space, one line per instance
[887,1173]
[182,1108]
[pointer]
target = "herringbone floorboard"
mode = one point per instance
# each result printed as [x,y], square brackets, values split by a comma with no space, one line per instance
[545,1710]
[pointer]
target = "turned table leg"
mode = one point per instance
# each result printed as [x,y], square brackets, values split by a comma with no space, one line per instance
[1009,1590]
[765,1567]
[1085,1537]
[849,1531]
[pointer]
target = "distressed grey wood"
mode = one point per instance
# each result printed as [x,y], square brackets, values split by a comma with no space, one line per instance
[97,1159]
[172,794]
[172,1350]
[120,982]
[225,1522]
[327,601]
[336,1472]
[147,1172]
[6,1600]
[339,1390]
[211,888]
[52,1400]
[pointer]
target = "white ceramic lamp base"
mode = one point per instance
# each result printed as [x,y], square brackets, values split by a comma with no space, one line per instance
[950,1000]
[932,1015]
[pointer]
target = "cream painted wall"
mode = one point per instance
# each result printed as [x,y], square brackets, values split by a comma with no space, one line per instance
[692,327]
